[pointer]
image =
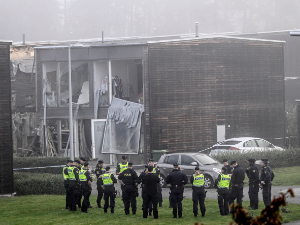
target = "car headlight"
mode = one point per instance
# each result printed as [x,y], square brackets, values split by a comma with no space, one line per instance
[217,170]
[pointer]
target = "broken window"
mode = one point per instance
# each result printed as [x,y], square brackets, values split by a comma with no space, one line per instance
[80,83]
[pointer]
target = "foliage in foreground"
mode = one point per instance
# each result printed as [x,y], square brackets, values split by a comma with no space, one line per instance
[270,215]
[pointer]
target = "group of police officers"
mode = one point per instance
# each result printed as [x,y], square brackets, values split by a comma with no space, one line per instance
[229,184]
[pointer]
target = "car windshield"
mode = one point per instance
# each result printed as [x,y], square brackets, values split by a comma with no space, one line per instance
[230,142]
[204,159]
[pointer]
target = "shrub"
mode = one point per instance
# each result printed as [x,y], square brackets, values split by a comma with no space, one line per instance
[277,158]
[27,162]
[38,184]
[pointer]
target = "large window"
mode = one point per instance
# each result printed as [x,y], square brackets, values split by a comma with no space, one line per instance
[56,83]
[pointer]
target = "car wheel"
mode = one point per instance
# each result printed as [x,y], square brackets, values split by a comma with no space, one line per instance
[208,181]
[163,181]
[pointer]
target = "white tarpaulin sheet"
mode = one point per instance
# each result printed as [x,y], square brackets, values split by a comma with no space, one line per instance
[123,127]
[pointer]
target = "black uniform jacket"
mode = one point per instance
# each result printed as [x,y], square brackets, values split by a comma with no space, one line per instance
[128,177]
[150,182]
[176,177]
[253,174]
[267,174]
[238,176]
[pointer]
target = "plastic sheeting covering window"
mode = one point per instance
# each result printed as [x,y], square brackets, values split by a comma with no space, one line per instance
[123,128]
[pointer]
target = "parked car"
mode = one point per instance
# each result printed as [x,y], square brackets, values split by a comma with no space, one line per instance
[243,144]
[187,162]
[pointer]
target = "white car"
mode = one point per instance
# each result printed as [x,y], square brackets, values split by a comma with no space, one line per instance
[243,144]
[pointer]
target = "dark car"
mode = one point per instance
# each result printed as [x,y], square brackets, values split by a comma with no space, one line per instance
[209,167]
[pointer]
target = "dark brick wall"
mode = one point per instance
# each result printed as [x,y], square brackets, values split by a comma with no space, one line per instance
[197,84]
[6,148]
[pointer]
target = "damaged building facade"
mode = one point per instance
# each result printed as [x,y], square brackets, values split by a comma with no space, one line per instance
[135,96]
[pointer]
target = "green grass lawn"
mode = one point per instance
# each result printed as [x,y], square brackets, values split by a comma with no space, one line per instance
[50,209]
[286,176]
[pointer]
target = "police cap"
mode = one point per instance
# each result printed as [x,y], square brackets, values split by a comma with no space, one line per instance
[69,161]
[77,161]
[175,164]
[251,160]
[100,162]
[224,168]
[86,164]
[197,168]
[151,160]
[124,157]
[265,160]
[83,159]
[130,164]
[225,160]
[233,162]
[107,168]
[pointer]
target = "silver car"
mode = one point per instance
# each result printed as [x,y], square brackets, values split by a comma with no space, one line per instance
[209,167]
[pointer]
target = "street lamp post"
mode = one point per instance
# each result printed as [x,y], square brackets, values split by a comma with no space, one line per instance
[70,108]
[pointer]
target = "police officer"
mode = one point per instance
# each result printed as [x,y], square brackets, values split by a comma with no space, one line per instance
[222,183]
[150,181]
[253,175]
[229,169]
[86,187]
[177,179]
[128,178]
[120,168]
[159,190]
[266,177]
[140,181]
[199,193]
[74,182]
[99,171]
[66,182]
[78,191]
[237,184]
[108,180]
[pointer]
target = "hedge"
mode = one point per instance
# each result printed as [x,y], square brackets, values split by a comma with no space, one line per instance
[27,162]
[38,184]
[277,158]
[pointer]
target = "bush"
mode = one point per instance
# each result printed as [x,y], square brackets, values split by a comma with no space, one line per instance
[27,162]
[38,184]
[277,158]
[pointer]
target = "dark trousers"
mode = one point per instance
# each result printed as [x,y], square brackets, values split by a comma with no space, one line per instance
[176,200]
[78,196]
[236,193]
[150,203]
[100,194]
[86,192]
[109,194]
[266,193]
[223,199]
[149,200]
[159,194]
[68,194]
[129,198]
[253,195]
[199,197]
[72,189]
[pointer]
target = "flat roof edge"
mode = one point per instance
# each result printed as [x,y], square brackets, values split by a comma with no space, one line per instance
[218,36]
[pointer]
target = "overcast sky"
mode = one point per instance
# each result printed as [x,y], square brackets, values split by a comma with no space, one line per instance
[44,20]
